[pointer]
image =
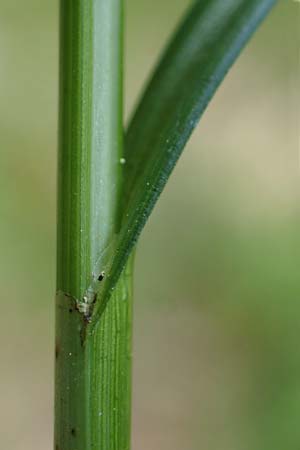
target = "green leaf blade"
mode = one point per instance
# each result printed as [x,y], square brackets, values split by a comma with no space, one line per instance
[197,59]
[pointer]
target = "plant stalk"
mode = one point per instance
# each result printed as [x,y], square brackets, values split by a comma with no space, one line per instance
[93,380]
[93,362]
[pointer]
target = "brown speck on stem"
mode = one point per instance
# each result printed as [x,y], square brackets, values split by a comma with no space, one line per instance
[56,350]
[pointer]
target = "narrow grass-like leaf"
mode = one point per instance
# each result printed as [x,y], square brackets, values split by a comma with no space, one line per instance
[195,62]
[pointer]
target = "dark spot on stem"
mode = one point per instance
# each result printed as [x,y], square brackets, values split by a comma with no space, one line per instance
[56,350]
[101,276]
[70,310]
[83,331]
[73,432]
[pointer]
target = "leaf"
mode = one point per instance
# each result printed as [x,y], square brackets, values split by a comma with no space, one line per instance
[196,60]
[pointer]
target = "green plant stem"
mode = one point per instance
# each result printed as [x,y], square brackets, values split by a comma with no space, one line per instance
[92,405]
[93,387]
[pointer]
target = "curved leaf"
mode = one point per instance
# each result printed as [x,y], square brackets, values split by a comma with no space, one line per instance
[195,62]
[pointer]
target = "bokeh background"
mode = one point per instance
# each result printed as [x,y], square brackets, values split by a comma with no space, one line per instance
[217,286]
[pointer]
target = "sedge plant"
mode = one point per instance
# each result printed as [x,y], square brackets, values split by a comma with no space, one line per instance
[108,183]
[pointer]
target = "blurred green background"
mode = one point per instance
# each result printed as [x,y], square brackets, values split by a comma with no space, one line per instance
[217,311]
